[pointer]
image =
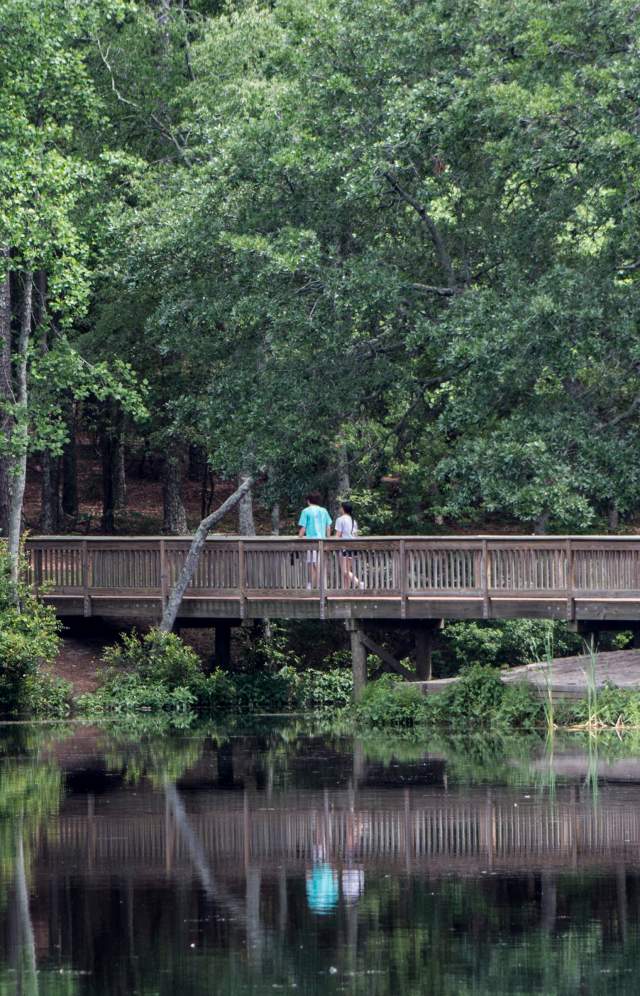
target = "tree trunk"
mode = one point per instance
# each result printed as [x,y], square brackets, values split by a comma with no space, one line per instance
[20,435]
[175,517]
[175,597]
[70,468]
[50,494]
[246,523]
[344,477]
[5,386]
[107,452]
[275,519]
[120,470]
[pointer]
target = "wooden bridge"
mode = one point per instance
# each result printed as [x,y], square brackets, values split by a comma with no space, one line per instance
[410,581]
[591,578]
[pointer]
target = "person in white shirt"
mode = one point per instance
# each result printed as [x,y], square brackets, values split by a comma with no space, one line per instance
[347,527]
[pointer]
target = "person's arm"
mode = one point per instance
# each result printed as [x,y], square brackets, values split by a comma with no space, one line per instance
[302,532]
[302,524]
[328,527]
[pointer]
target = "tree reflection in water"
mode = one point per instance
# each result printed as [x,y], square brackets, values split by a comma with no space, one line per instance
[201,861]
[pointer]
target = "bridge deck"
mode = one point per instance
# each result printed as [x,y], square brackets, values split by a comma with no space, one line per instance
[577,578]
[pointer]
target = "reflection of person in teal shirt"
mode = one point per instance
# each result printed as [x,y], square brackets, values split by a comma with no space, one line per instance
[322,888]
[315,524]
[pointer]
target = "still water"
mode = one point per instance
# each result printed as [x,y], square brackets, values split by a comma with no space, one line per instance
[157,861]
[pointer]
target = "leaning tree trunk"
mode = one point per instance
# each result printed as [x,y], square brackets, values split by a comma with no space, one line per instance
[175,597]
[175,516]
[20,435]
[5,388]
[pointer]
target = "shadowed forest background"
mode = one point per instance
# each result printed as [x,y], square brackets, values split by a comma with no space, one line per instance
[385,248]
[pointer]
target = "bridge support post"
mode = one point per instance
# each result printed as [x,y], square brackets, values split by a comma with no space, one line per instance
[358,657]
[222,647]
[424,640]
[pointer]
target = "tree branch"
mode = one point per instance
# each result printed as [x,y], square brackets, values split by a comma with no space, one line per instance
[429,289]
[438,242]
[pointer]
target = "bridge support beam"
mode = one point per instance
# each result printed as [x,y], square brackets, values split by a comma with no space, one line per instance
[358,657]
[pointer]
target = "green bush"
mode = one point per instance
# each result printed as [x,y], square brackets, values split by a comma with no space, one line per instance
[28,638]
[391,702]
[47,695]
[474,699]
[152,672]
[323,691]
[266,692]
[216,691]
[502,644]
[123,693]
[155,657]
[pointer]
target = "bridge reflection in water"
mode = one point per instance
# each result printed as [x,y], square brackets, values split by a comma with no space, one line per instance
[435,834]
[199,864]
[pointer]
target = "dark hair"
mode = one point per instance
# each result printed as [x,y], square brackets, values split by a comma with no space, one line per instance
[314,497]
[347,508]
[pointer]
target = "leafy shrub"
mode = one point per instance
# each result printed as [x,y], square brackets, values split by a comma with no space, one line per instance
[502,644]
[264,692]
[320,691]
[216,691]
[390,701]
[28,638]
[474,699]
[270,653]
[130,693]
[521,707]
[155,657]
[47,695]
[154,671]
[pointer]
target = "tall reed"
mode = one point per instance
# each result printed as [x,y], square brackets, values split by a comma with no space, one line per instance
[590,675]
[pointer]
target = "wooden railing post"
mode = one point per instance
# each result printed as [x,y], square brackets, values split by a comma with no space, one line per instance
[571,602]
[484,570]
[163,574]
[85,580]
[321,579]
[404,580]
[242,578]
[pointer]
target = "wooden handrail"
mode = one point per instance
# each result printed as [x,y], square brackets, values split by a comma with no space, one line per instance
[485,569]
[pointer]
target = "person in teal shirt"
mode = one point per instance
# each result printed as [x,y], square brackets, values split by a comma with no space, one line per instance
[315,524]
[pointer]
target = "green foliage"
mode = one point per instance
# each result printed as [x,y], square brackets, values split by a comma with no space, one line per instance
[478,700]
[160,658]
[154,671]
[47,695]
[329,690]
[502,644]
[123,693]
[28,638]
[474,699]
[391,702]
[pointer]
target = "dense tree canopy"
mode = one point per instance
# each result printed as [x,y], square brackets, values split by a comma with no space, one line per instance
[346,240]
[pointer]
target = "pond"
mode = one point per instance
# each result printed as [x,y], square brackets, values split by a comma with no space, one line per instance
[287,859]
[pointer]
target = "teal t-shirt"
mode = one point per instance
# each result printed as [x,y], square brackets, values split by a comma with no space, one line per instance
[315,520]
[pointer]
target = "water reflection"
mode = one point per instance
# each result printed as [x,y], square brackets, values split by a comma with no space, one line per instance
[208,862]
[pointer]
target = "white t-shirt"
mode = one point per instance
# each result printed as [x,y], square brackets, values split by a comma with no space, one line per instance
[346,526]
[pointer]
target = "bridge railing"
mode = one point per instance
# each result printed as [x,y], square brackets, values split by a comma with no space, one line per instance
[402,566]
